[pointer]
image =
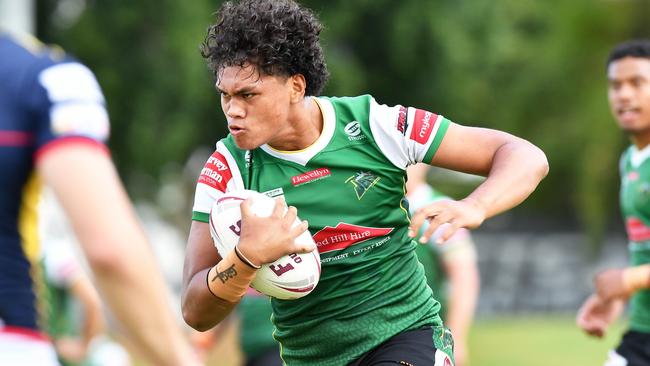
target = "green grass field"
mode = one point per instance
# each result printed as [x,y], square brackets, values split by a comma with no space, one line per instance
[537,341]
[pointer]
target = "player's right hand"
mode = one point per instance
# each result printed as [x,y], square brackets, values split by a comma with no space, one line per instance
[448,214]
[265,239]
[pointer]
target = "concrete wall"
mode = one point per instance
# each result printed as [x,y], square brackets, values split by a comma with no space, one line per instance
[540,272]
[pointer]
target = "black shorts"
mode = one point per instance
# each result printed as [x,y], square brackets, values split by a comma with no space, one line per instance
[267,358]
[634,348]
[429,346]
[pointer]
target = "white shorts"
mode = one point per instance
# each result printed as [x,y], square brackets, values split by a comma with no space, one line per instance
[18,348]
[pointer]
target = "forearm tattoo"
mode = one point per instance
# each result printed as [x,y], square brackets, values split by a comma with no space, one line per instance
[225,275]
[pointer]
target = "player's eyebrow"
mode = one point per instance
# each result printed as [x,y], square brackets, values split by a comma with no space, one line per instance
[242,90]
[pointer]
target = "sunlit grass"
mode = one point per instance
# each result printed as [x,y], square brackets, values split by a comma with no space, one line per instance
[537,341]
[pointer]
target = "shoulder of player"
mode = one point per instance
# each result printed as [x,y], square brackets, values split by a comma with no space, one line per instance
[29,51]
[351,112]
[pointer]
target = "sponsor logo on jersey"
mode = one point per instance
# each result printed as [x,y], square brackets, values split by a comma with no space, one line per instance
[216,172]
[353,130]
[632,176]
[248,157]
[637,230]
[402,120]
[362,182]
[423,124]
[344,235]
[312,176]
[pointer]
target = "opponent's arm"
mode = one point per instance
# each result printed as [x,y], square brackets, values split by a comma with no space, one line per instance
[88,187]
[513,166]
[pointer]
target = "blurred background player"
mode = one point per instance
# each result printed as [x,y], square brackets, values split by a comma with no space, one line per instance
[73,316]
[254,329]
[451,267]
[53,125]
[628,75]
[256,341]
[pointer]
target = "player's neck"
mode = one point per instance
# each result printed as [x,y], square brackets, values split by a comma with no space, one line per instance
[306,126]
[641,140]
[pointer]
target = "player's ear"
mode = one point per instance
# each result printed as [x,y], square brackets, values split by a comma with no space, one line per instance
[297,84]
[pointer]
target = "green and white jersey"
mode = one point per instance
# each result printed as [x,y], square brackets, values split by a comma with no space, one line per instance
[635,206]
[349,185]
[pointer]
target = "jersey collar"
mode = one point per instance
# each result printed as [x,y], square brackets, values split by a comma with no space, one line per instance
[639,156]
[303,156]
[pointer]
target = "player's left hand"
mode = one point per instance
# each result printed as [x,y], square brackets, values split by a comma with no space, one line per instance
[610,284]
[447,216]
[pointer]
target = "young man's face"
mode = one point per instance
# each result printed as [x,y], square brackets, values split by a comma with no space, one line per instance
[629,93]
[255,105]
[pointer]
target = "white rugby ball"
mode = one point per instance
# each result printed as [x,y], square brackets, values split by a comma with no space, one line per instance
[290,277]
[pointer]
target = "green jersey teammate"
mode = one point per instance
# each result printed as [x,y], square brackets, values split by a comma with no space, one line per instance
[628,73]
[340,163]
[451,268]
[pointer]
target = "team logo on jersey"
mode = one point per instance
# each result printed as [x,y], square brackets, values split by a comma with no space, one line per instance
[216,172]
[362,182]
[248,158]
[345,235]
[353,130]
[402,120]
[312,176]
[423,123]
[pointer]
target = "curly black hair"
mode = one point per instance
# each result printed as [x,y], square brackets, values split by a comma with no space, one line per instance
[635,48]
[279,37]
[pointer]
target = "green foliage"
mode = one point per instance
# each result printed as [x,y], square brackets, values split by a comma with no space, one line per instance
[532,68]
[160,95]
